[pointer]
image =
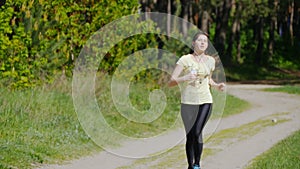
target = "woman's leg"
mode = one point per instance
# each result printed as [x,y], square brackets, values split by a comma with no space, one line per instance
[202,117]
[189,116]
[190,148]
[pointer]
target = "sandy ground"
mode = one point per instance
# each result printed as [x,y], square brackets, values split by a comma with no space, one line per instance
[234,155]
[239,154]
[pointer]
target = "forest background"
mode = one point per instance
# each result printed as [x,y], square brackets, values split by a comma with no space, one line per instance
[40,40]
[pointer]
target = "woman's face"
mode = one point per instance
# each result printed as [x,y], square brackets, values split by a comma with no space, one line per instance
[200,44]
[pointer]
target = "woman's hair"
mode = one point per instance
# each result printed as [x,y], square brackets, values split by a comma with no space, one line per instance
[198,34]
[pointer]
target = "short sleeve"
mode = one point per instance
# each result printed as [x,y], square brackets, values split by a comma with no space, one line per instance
[182,61]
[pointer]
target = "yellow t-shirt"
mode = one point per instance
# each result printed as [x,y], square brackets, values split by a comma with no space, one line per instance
[197,91]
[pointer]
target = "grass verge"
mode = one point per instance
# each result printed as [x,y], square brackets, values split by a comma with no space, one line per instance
[284,155]
[245,131]
[234,105]
[40,126]
[286,89]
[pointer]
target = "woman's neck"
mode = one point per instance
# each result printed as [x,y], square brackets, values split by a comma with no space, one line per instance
[198,53]
[198,57]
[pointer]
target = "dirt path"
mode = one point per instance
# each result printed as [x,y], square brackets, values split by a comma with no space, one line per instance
[239,154]
[233,152]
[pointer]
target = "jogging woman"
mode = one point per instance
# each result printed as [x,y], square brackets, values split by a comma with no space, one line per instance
[194,72]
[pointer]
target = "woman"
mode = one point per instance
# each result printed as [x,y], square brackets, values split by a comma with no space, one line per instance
[196,98]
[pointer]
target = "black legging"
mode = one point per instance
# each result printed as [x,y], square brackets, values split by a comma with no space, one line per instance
[194,118]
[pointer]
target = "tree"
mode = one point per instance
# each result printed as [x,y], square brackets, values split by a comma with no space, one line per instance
[41,39]
[273,4]
[234,39]
[222,16]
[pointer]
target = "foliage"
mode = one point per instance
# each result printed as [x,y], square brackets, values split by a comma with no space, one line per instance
[40,39]
[256,33]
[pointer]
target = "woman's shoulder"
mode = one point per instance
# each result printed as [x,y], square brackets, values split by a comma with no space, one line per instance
[210,58]
[185,60]
[186,56]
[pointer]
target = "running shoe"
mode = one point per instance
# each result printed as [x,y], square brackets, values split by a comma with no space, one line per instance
[196,166]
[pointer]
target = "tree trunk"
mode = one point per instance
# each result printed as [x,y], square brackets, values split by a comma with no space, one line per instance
[184,15]
[221,28]
[238,40]
[271,39]
[273,21]
[297,21]
[291,10]
[235,35]
[169,18]
[195,13]
[204,21]
[260,39]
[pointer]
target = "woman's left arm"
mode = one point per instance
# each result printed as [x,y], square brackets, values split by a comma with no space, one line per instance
[219,86]
[212,83]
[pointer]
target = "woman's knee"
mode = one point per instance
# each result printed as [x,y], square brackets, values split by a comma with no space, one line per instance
[190,137]
[199,138]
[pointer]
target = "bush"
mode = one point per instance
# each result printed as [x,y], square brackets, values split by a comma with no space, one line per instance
[41,39]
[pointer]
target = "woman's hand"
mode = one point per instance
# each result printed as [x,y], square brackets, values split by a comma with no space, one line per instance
[218,86]
[175,79]
[221,86]
[190,77]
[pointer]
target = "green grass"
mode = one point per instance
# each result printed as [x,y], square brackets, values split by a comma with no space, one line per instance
[226,105]
[40,126]
[284,155]
[286,89]
[246,130]
[139,98]
[234,105]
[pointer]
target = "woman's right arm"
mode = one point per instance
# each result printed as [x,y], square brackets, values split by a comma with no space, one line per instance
[175,79]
